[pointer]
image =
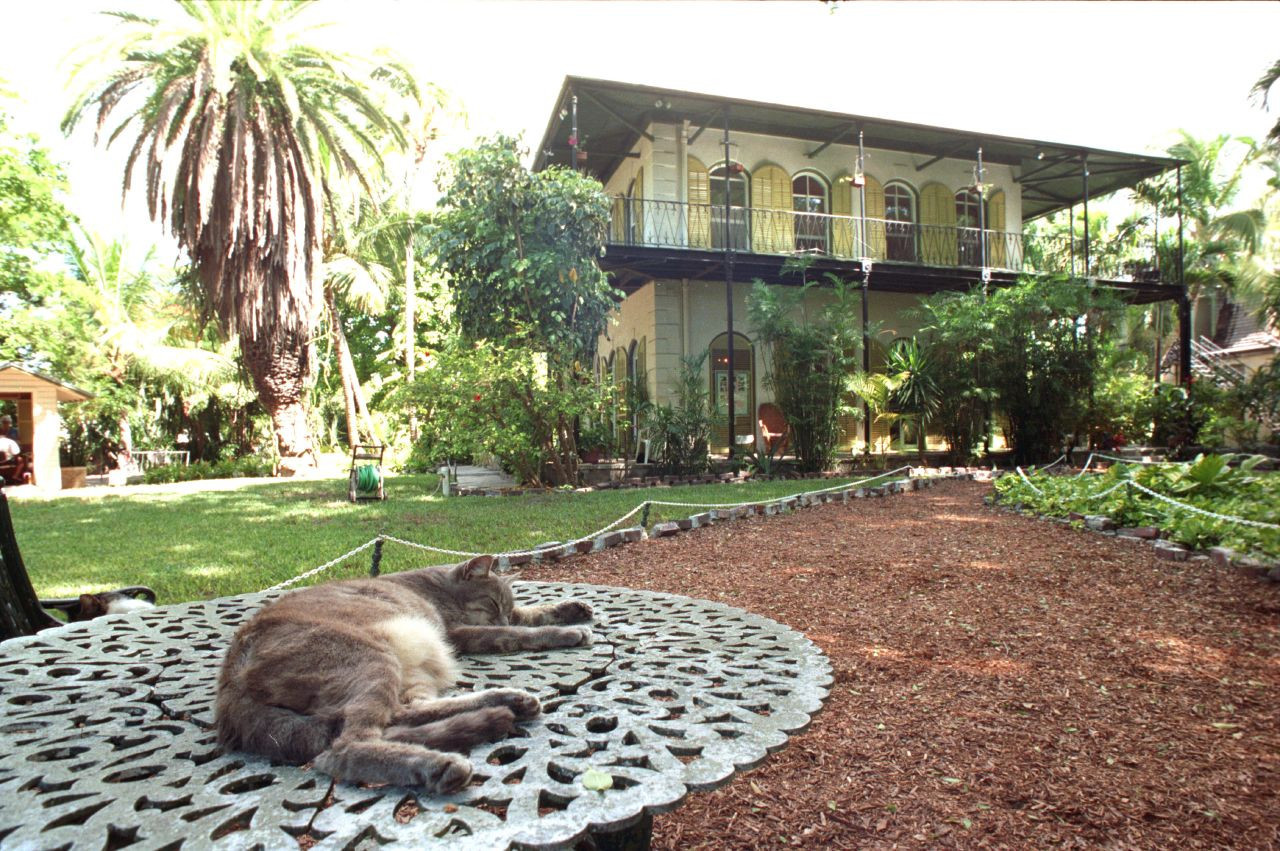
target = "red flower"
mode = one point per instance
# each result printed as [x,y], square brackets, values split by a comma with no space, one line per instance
[477,399]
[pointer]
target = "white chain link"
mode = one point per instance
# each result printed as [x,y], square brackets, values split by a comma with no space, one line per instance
[1028,481]
[328,564]
[844,486]
[1242,520]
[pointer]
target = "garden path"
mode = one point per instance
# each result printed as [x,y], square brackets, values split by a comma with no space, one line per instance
[1001,681]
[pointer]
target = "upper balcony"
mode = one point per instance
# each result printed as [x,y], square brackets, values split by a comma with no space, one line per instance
[673,225]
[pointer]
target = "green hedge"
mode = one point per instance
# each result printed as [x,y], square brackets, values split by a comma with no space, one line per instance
[1210,482]
[231,468]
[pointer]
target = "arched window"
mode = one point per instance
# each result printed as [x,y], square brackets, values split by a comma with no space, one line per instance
[744,397]
[900,215]
[809,200]
[969,222]
[732,182]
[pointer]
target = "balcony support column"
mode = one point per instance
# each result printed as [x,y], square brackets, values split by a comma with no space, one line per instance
[1084,174]
[1184,304]
[1071,236]
[861,174]
[573,133]
[981,176]
[728,289]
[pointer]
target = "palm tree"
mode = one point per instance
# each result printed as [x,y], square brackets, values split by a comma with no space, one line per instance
[1261,90]
[240,121]
[140,332]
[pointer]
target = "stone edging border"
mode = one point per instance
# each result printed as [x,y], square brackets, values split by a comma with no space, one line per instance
[1164,549]
[555,551]
[709,479]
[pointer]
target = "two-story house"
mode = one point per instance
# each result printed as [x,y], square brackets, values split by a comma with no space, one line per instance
[711,193]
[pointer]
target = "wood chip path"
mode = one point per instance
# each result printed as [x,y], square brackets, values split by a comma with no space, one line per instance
[1001,682]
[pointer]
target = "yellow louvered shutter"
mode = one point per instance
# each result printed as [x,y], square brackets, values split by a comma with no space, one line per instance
[938,232]
[618,220]
[842,230]
[637,209]
[772,220]
[699,204]
[997,251]
[874,191]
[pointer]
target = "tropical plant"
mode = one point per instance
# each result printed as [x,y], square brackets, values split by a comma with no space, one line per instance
[810,355]
[1262,90]
[1035,354]
[520,250]
[240,121]
[915,392]
[682,431]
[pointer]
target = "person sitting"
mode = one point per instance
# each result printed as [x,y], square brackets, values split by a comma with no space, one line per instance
[13,465]
[7,428]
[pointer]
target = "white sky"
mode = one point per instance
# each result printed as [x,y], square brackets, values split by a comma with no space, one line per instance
[1122,76]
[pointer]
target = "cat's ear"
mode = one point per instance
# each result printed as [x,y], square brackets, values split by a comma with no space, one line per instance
[477,568]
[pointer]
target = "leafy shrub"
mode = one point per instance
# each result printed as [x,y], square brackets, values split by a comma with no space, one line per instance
[810,360]
[248,466]
[1210,482]
[486,397]
[682,432]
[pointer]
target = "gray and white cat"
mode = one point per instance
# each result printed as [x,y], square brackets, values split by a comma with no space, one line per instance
[350,673]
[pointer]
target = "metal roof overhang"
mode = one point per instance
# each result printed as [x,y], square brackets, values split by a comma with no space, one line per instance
[612,116]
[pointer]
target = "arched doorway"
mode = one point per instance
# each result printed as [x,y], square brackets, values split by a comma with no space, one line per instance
[744,397]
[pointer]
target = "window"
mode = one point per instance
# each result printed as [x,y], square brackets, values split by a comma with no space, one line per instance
[732,182]
[809,200]
[968,224]
[900,215]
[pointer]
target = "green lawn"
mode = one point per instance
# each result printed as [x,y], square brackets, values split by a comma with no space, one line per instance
[198,545]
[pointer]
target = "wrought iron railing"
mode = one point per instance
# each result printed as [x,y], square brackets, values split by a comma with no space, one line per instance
[674,224]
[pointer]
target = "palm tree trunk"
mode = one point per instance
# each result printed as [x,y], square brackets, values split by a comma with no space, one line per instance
[279,366]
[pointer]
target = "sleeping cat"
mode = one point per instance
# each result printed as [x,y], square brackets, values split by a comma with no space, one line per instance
[349,674]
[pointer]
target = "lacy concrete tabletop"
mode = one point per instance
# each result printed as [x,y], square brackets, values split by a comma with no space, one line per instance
[106,738]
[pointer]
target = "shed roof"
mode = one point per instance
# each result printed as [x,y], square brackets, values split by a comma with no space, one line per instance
[65,392]
[611,116]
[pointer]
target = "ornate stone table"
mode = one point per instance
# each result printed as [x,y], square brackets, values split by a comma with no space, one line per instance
[106,739]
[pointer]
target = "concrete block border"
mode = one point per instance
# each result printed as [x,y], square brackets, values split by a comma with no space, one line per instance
[1163,548]
[920,478]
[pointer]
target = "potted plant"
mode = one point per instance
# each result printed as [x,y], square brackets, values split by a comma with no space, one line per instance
[594,443]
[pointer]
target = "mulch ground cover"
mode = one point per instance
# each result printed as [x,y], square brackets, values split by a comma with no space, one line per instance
[1001,682]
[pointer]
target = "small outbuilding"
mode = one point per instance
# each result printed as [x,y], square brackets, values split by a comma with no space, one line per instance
[36,397]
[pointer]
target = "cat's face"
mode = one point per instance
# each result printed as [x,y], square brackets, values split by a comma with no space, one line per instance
[483,598]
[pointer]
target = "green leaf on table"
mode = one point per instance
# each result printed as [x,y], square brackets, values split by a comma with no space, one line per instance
[597,780]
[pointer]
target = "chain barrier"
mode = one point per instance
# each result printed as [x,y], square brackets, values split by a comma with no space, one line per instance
[1028,481]
[328,564]
[844,486]
[644,506]
[1186,507]
[1226,518]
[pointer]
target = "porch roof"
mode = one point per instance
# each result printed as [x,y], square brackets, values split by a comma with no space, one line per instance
[613,115]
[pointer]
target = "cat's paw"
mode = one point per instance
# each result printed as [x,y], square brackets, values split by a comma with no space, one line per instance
[443,774]
[523,704]
[580,636]
[574,611]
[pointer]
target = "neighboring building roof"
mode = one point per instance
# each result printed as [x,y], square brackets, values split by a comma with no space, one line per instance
[612,116]
[66,393]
